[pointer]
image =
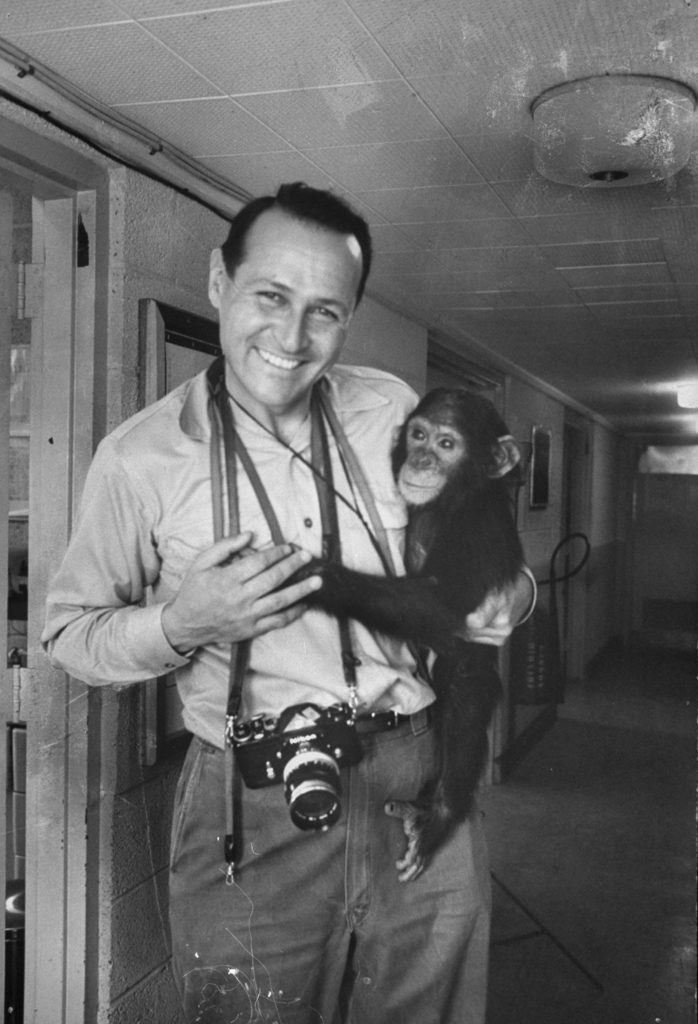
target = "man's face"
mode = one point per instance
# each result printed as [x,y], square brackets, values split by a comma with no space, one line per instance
[285,313]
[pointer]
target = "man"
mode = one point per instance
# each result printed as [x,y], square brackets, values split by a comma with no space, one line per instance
[308,925]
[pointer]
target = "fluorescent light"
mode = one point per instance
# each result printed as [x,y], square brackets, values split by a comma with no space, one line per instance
[687,394]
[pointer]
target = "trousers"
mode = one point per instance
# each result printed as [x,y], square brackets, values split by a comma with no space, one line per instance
[316,928]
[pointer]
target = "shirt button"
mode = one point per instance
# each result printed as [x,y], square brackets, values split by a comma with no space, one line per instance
[307,522]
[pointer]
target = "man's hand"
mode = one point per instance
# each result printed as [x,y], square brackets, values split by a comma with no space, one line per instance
[500,612]
[231,593]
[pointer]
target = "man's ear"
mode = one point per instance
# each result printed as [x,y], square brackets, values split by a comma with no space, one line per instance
[217,275]
[507,454]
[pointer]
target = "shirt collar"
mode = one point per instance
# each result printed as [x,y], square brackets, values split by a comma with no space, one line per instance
[348,393]
[193,418]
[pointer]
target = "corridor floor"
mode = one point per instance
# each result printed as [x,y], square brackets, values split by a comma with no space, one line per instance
[594,833]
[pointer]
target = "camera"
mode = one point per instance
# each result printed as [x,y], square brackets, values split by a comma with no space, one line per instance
[306,760]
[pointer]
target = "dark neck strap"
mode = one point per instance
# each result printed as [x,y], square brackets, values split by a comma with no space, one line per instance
[226,448]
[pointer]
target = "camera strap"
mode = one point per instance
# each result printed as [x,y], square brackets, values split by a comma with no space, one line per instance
[226,447]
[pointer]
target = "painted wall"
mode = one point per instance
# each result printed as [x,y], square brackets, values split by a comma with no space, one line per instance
[385,339]
[609,496]
[595,614]
[526,407]
[663,599]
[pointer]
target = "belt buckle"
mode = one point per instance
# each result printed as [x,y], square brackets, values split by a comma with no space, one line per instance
[392,720]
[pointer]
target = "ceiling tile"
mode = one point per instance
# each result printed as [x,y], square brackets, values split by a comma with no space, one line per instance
[647,310]
[604,253]
[388,238]
[265,48]
[118,64]
[471,103]
[431,284]
[539,299]
[392,264]
[537,196]
[262,173]
[346,115]
[631,274]
[501,265]
[580,229]
[626,293]
[206,127]
[466,234]
[19,18]
[147,9]
[500,156]
[679,229]
[449,203]
[418,162]
[688,293]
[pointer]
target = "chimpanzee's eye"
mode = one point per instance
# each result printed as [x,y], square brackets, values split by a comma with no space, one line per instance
[417,434]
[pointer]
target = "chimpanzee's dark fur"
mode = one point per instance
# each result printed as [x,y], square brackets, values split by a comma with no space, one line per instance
[472,547]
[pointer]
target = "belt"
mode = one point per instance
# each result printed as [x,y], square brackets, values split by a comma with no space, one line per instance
[383,721]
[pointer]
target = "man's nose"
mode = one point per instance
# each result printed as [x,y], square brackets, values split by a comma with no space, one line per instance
[291,332]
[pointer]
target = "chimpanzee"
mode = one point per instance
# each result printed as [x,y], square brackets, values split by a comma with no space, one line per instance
[453,463]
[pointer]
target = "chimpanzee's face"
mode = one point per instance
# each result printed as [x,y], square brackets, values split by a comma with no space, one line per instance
[435,450]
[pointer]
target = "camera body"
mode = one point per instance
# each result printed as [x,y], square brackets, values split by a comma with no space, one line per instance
[306,760]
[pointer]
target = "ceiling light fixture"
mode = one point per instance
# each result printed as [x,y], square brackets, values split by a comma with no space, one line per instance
[613,130]
[687,395]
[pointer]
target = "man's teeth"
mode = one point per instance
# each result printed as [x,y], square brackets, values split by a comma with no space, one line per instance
[279,361]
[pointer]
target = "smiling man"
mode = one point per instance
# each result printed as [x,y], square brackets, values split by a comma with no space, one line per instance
[285,901]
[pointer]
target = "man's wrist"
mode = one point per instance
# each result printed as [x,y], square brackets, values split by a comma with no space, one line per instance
[181,649]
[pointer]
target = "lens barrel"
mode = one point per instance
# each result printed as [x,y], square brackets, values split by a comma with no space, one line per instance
[312,789]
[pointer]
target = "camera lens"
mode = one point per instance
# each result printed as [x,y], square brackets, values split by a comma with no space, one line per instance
[312,789]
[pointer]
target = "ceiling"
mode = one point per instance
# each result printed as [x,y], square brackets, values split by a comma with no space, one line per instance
[419,112]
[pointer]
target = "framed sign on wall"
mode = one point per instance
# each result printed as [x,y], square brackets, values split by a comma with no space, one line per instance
[539,480]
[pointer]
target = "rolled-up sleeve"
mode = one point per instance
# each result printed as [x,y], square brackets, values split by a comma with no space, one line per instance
[99,626]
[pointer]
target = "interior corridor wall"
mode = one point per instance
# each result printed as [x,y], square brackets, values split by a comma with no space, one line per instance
[609,513]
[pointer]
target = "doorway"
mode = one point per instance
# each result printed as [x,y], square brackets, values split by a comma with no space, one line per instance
[46,353]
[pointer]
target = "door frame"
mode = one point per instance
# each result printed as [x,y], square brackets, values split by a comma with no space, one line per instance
[61,769]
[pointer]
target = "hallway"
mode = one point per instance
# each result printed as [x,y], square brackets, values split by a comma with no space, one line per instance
[594,833]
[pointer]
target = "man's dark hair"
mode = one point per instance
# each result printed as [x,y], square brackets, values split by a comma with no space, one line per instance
[305,204]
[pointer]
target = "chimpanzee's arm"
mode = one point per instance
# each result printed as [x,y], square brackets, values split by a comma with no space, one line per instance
[407,607]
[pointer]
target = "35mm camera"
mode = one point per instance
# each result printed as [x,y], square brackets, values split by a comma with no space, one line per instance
[306,760]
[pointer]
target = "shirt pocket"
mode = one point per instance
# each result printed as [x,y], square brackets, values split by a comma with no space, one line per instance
[177,556]
[357,548]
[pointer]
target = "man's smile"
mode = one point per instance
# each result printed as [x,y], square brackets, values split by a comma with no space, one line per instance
[280,362]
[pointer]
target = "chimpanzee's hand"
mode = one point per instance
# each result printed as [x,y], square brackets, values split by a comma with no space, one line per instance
[225,598]
[411,865]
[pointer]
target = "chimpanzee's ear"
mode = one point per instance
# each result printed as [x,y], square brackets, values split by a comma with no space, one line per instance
[506,455]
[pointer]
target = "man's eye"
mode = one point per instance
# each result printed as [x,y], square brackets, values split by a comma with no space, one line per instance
[325,314]
[271,298]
